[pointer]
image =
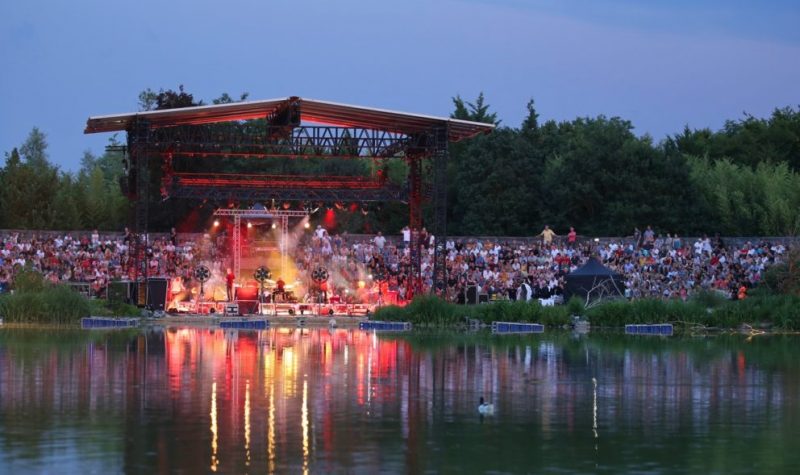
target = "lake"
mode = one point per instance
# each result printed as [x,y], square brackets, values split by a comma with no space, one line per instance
[197,400]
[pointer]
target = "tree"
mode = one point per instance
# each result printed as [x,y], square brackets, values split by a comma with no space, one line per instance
[477,111]
[531,122]
[148,99]
[27,194]
[66,208]
[225,98]
[748,141]
[34,149]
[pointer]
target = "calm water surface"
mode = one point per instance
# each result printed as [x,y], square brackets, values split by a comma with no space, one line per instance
[189,400]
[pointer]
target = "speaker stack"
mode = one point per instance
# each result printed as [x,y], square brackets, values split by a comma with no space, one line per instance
[157,293]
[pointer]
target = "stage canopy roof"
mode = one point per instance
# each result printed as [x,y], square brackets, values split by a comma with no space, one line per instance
[311,110]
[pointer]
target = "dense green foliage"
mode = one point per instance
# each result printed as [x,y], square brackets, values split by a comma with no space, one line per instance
[36,301]
[429,310]
[707,310]
[35,194]
[593,173]
[597,175]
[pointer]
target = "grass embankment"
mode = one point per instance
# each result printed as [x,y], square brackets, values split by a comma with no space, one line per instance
[707,310]
[34,301]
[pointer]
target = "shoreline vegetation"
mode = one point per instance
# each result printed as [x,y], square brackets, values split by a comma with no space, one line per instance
[36,301]
[706,311]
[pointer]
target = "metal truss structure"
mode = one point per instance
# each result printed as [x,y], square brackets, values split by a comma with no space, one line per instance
[281,215]
[279,128]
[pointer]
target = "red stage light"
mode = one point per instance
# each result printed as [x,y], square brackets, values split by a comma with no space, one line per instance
[329,220]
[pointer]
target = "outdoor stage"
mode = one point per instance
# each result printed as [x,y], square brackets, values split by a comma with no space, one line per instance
[233,158]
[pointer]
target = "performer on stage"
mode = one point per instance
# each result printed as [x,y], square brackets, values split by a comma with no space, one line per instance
[323,290]
[279,290]
[229,278]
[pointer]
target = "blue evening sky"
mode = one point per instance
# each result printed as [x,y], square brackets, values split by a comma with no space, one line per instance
[661,64]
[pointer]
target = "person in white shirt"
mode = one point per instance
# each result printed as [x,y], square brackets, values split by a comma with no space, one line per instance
[379,241]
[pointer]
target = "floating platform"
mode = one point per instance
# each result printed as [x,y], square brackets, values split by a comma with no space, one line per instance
[385,326]
[108,322]
[244,323]
[511,327]
[654,329]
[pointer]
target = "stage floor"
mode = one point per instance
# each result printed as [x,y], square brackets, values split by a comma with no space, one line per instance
[253,308]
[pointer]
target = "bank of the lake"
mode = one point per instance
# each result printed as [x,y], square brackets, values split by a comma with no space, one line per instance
[762,310]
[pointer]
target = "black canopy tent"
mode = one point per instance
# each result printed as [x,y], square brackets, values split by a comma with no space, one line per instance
[596,279]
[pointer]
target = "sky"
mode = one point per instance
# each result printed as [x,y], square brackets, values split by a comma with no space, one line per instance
[662,64]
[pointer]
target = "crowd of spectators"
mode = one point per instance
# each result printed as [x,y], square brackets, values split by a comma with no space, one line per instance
[652,266]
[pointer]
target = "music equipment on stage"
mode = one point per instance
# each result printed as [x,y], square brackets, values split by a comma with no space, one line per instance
[202,274]
[157,293]
[247,293]
[231,309]
[472,295]
[319,275]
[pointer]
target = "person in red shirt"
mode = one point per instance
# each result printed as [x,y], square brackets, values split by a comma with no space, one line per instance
[572,237]
[229,278]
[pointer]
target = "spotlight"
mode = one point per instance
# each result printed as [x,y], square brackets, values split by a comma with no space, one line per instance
[249,225]
[596,239]
[306,225]
[369,276]
[216,223]
[274,226]
[286,205]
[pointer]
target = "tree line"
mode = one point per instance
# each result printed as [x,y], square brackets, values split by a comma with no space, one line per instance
[593,173]
[36,194]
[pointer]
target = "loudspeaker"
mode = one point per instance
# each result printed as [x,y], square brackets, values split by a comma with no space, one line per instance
[123,291]
[156,293]
[472,295]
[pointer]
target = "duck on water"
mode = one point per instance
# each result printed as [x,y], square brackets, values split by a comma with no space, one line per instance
[485,408]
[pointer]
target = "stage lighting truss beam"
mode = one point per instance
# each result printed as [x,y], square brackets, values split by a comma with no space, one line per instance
[237,180]
[281,215]
[238,140]
[291,194]
[439,192]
